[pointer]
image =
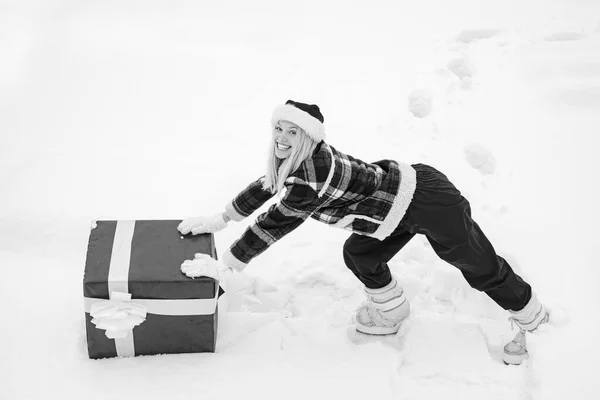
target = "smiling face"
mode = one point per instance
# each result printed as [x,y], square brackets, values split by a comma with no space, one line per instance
[285,138]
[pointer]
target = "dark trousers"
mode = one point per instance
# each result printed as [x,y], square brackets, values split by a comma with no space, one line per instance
[443,215]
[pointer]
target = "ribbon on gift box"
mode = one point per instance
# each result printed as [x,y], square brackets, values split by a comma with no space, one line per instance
[119,315]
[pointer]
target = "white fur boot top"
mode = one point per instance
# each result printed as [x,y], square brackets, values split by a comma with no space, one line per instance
[384,311]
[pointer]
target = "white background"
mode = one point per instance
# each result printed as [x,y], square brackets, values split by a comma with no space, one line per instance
[161,109]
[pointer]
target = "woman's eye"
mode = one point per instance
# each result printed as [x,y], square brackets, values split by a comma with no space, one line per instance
[293,132]
[278,128]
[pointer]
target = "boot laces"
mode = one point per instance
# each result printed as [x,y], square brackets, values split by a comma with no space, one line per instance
[519,340]
[375,314]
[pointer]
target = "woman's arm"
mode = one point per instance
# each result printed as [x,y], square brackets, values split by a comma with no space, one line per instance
[247,201]
[298,204]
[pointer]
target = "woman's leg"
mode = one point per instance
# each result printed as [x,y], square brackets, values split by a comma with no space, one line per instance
[439,211]
[367,257]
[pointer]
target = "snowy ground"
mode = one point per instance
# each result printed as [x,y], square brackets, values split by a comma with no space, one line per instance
[160,110]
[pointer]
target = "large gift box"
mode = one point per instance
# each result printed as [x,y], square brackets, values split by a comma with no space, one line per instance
[137,300]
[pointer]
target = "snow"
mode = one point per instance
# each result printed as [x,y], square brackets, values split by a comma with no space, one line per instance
[564,36]
[480,158]
[470,35]
[420,103]
[160,110]
[461,67]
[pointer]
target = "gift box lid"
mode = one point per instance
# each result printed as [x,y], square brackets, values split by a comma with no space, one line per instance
[154,257]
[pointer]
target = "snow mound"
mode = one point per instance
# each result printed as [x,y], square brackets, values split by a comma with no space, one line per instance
[461,67]
[420,103]
[469,35]
[480,158]
[564,36]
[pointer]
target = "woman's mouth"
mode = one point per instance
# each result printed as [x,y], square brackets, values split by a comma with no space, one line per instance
[283,146]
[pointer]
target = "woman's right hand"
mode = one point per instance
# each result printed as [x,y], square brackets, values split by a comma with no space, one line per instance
[198,225]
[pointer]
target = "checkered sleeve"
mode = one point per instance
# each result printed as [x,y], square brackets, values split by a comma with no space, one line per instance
[299,202]
[248,200]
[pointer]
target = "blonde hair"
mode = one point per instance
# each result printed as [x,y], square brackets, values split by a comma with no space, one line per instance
[279,170]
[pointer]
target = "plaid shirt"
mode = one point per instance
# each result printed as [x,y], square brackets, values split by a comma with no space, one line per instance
[331,187]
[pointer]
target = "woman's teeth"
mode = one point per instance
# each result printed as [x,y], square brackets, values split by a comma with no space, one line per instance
[283,146]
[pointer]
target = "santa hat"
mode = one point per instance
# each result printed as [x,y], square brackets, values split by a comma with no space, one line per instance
[306,116]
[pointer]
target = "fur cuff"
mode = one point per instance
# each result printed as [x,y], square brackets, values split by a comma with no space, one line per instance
[384,289]
[312,126]
[531,316]
[408,185]
[232,213]
[232,262]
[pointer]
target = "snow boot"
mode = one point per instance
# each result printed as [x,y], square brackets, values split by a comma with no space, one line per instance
[515,352]
[528,319]
[384,310]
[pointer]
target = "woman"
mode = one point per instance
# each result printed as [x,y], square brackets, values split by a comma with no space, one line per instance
[384,204]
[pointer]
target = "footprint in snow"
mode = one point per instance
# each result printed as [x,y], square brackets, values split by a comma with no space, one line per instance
[564,36]
[480,158]
[420,103]
[462,67]
[469,35]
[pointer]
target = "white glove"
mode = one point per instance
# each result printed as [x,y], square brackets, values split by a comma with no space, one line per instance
[198,225]
[205,265]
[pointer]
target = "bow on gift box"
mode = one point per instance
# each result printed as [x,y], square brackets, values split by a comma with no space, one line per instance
[118,316]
